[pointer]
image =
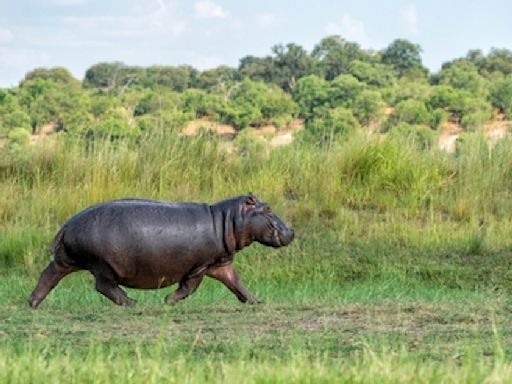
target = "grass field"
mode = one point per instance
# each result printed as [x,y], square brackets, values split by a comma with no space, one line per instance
[400,271]
[377,331]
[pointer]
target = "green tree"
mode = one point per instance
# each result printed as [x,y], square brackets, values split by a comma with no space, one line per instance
[403,56]
[373,74]
[500,95]
[335,123]
[256,103]
[103,75]
[199,103]
[343,90]
[291,62]
[218,80]
[463,75]
[175,78]
[258,68]
[368,106]
[412,112]
[311,94]
[334,56]
[58,75]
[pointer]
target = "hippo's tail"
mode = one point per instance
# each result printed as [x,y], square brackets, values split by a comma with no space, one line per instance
[58,242]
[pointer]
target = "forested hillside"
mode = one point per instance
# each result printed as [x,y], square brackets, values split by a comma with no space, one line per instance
[336,89]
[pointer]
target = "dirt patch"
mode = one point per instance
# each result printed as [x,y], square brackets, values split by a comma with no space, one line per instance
[193,127]
[278,136]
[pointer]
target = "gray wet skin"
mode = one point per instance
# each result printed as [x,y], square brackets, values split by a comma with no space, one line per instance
[150,244]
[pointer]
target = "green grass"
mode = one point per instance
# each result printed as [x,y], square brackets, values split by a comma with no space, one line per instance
[401,270]
[380,331]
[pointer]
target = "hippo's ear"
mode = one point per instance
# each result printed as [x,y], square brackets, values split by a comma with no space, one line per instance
[250,200]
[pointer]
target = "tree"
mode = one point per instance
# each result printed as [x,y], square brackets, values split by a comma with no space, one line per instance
[368,106]
[176,78]
[404,56]
[42,99]
[462,74]
[291,62]
[500,95]
[58,75]
[256,103]
[373,74]
[311,94]
[411,112]
[199,103]
[343,90]
[257,68]
[334,124]
[334,56]
[498,60]
[103,75]
[218,80]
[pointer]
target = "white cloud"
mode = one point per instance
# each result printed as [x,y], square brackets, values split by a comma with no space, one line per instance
[350,29]
[332,29]
[150,19]
[22,57]
[266,20]
[207,9]
[410,19]
[354,29]
[66,3]
[5,35]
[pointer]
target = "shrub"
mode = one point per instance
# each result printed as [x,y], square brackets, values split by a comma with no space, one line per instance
[412,112]
[336,123]
[500,95]
[420,136]
[368,106]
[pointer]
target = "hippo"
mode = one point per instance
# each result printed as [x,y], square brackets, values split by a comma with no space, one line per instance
[148,244]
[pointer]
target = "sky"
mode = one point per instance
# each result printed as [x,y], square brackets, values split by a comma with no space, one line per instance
[76,34]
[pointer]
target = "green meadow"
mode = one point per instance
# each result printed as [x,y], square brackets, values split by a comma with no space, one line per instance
[400,270]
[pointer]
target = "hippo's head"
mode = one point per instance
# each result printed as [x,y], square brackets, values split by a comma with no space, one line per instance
[260,224]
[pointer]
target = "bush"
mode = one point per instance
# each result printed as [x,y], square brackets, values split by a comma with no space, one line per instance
[475,120]
[255,104]
[336,123]
[18,136]
[368,106]
[200,103]
[343,90]
[500,95]
[457,102]
[420,136]
[412,112]
[437,118]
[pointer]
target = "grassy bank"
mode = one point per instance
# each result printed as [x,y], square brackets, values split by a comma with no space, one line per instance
[400,270]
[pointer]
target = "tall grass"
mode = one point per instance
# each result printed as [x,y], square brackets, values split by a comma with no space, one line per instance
[365,207]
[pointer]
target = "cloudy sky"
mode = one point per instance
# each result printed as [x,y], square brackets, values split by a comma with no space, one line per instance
[205,33]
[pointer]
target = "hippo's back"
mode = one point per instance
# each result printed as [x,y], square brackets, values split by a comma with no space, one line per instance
[124,232]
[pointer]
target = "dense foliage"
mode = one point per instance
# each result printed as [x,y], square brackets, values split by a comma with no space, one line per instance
[336,81]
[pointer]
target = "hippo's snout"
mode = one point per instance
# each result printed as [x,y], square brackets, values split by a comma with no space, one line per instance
[286,236]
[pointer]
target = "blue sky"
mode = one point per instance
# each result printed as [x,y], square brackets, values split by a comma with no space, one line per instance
[205,33]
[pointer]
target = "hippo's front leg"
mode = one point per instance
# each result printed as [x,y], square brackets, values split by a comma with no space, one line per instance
[227,275]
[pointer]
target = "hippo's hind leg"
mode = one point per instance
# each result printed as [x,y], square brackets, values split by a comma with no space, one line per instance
[227,275]
[50,277]
[187,286]
[107,285]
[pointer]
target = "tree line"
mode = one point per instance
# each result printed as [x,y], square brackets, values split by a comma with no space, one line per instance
[336,88]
